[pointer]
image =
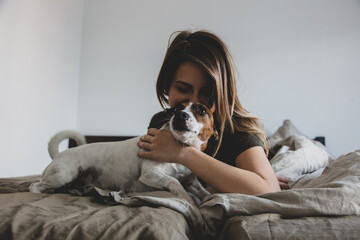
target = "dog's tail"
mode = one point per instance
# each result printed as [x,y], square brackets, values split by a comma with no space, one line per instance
[53,146]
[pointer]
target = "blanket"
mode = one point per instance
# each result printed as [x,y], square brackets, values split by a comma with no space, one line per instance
[158,215]
[335,193]
[25,215]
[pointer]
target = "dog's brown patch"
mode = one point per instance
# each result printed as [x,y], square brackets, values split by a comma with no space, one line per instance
[204,115]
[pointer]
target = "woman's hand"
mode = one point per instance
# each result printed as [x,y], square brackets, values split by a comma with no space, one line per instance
[159,145]
[283,182]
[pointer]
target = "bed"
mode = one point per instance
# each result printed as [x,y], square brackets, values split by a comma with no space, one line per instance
[323,203]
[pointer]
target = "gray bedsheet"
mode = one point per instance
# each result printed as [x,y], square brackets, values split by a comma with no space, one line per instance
[273,226]
[25,215]
[326,199]
[330,201]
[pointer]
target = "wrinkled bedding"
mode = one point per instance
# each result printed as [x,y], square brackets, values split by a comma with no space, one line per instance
[27,215]
[324,202]
[331,200]
[273,226]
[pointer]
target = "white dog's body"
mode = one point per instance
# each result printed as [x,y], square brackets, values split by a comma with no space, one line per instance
[116,166]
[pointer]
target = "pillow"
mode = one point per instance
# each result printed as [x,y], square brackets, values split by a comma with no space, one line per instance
[286,130]
[294,155]
[297,157]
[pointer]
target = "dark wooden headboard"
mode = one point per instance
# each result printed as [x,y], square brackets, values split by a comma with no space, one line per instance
[93,139]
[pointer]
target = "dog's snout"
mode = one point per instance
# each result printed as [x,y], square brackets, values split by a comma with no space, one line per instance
[180,121]
[183,115]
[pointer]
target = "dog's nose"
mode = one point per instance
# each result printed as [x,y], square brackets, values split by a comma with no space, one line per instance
[182,115]
[179,121]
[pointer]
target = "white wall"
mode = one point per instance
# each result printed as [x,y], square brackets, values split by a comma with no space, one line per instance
[296,59]
[39,75]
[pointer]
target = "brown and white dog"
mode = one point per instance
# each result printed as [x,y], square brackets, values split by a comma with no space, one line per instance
[115,166]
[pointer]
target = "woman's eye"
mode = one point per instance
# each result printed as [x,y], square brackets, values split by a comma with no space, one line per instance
[183,90]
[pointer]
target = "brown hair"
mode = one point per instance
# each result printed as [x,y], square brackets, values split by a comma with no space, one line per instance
[209,52]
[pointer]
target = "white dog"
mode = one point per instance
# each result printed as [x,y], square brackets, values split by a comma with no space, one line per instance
[116,166]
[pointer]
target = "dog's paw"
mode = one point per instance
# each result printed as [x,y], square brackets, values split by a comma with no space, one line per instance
[37,188]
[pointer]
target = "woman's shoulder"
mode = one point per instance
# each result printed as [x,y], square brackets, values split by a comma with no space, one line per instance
[242,140]
[242,136]
[236,143]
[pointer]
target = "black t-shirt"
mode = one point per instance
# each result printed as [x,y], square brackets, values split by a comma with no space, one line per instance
[232,144]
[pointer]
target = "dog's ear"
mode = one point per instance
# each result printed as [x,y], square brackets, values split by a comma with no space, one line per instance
[161,118]
[216,138]
[203,146]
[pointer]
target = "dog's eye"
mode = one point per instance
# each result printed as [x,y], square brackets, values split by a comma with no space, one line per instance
[201,110]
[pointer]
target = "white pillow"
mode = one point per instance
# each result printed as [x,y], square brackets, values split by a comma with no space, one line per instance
[284,131]
[297,155]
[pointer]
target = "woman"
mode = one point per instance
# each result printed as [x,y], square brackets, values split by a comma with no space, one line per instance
[199,68]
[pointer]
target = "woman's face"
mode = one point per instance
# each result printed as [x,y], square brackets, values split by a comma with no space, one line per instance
[191,83]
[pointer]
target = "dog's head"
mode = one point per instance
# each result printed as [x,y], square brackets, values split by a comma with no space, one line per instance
[192,124]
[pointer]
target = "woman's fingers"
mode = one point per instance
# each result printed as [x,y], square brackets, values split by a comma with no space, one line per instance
[144,145]
[283,182]
[282,178]
[284,186]
[152,131]
[146,138]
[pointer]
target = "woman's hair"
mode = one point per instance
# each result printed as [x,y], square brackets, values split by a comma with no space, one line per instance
[210,53]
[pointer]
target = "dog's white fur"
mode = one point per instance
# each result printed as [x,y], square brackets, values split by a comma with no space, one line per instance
[116,165]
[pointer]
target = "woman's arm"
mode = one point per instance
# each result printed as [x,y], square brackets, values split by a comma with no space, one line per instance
[253,174]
